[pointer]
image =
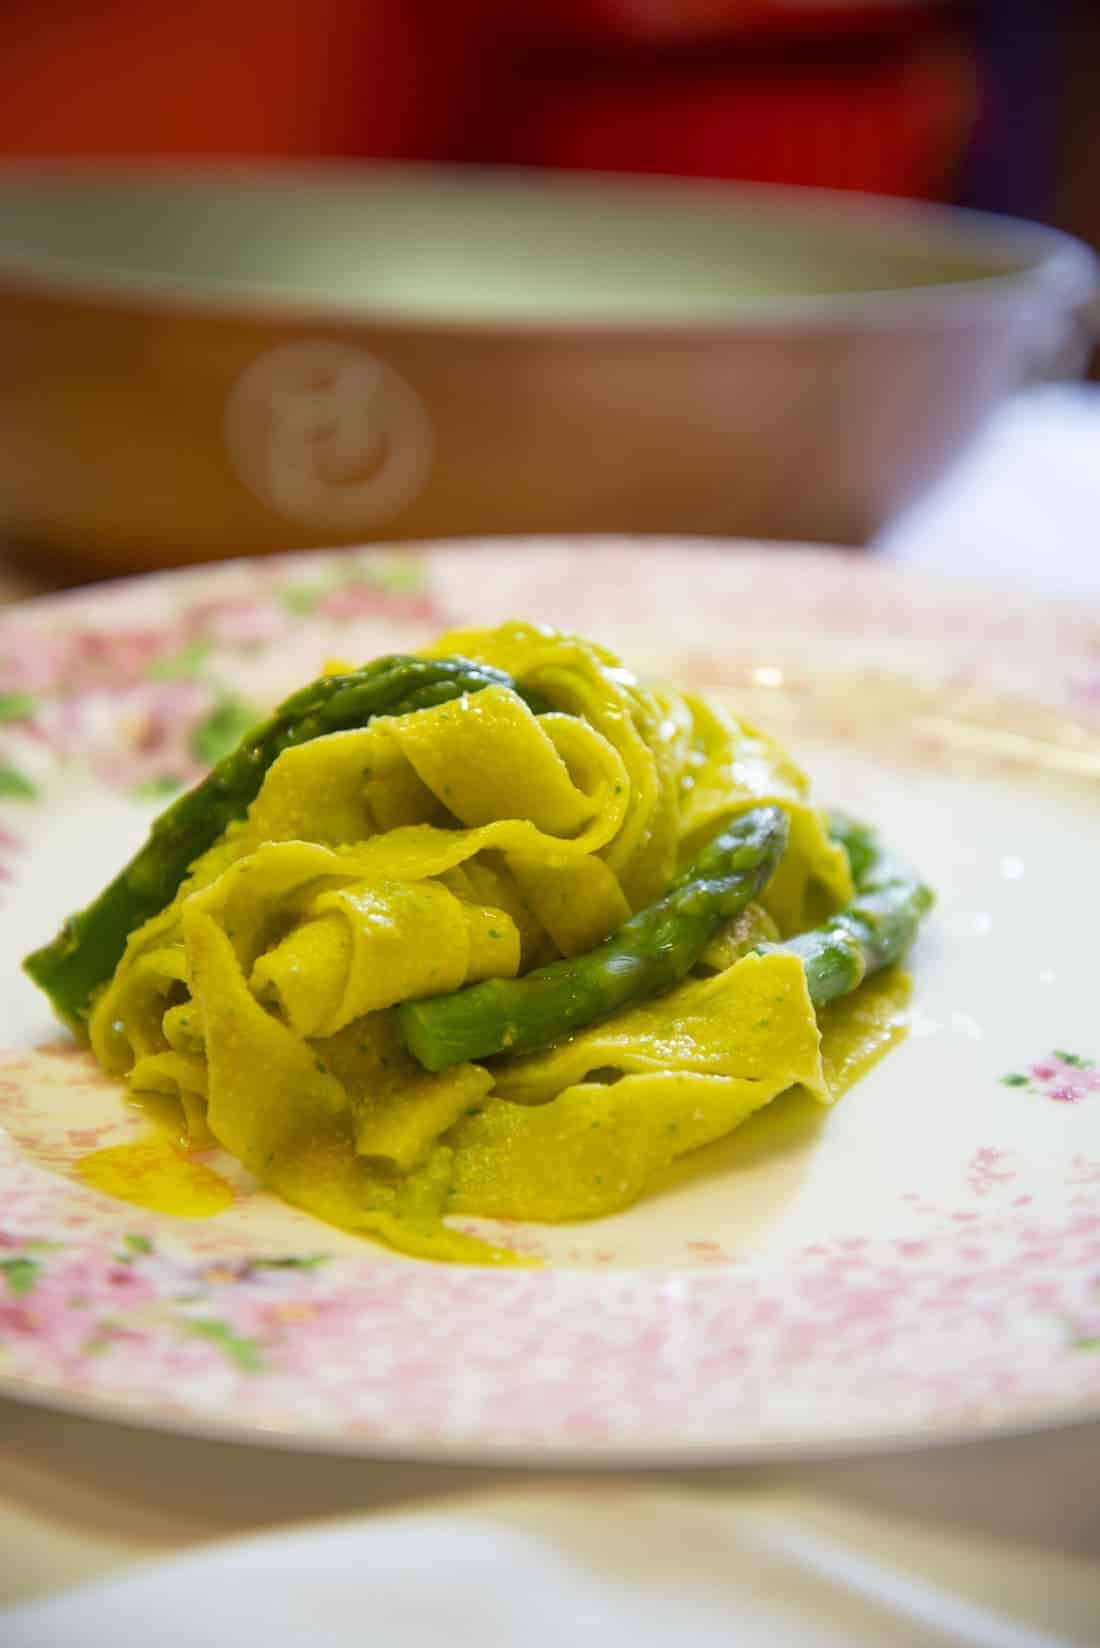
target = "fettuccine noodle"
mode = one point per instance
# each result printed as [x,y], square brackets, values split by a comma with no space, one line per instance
[467,841]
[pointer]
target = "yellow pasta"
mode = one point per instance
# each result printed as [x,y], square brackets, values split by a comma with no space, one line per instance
[468,841]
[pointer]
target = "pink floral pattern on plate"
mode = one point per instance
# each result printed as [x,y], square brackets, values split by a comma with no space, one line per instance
[143,698]
[356,1353]
[1065,1078]
[957,1287]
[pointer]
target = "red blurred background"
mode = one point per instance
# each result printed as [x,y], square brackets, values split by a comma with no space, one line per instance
[988,103]
[880,96]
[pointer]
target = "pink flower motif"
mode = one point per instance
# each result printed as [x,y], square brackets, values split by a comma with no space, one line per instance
[1078,1073]
[65,1298]
[29,660]
[353,601]
[16,1319]
[243,623]
[146,734]
[1086,689]
[366,600]
[986,1170]
[115,657]
[1065,1078]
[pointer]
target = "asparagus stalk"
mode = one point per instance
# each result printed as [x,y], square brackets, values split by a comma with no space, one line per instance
[649,954]
[657,948]
[874,930]
[87,949]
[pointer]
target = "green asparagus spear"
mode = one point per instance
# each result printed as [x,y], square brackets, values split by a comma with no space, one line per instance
[860,843]
[874,930]
[649,954]
[658,947]
[86,951]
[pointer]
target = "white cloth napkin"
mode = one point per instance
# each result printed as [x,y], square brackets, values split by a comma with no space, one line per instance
[620,1567]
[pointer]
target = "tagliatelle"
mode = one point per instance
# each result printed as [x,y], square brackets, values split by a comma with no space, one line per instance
[690,1067]
[449,847]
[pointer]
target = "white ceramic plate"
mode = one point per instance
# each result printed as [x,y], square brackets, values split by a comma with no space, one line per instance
[922,1262]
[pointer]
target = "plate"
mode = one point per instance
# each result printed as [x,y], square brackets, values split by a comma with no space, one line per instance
[921,1263]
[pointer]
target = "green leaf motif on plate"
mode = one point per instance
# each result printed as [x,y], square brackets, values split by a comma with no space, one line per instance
[158,788]
[401,575]
[301,598]
[20,1274]
[244,1352]
[1074,1060]
[222,729]
[16,786]
[305,1261]
[182,665]
[17,706]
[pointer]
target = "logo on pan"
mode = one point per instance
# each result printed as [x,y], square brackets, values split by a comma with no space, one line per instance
[328,435]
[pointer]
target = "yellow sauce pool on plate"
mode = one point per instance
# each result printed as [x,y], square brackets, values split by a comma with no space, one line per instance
[152,1173]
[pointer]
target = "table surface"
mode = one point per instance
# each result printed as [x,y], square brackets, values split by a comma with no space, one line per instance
[1011,1525]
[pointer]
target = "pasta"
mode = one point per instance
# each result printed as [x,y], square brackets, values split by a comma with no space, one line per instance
[531,842]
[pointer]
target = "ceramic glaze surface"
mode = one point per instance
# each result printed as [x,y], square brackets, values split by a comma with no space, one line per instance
[922,1261]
